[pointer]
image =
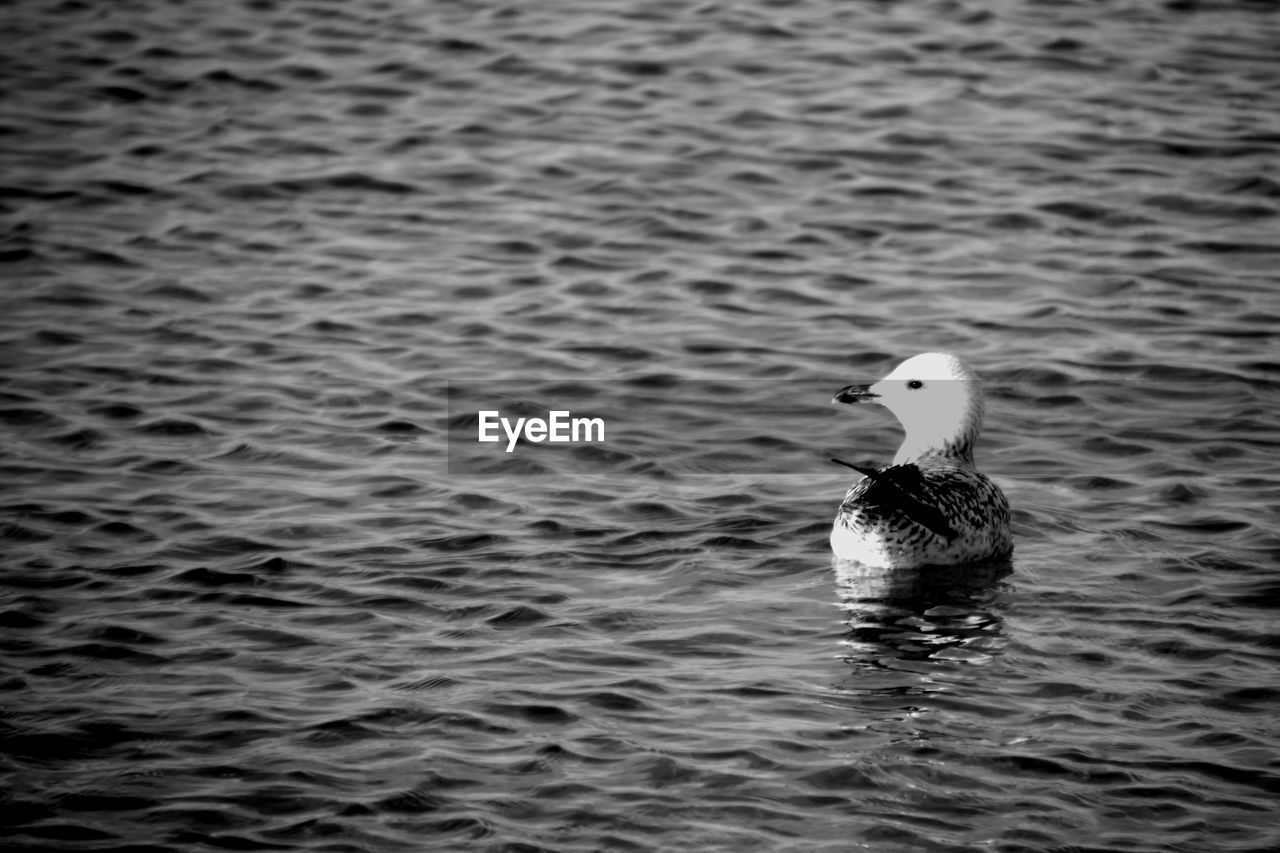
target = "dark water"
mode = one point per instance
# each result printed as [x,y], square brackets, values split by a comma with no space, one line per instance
[245,246]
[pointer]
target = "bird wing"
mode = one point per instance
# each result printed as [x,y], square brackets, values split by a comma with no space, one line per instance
[902,489]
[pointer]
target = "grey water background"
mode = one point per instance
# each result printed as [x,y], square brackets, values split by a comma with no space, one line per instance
[246,246]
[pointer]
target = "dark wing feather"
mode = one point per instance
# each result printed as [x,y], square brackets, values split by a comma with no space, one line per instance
[902,489]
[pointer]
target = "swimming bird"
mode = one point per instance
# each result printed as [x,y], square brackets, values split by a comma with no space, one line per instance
[931,506]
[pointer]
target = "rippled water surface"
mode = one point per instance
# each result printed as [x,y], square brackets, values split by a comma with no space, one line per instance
[248,603]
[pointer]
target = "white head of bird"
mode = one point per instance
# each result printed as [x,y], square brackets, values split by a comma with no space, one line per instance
[938,401]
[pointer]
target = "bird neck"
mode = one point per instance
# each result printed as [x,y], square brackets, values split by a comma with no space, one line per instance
[946,440]
[956,451]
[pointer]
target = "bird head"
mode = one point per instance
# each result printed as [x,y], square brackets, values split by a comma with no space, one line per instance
[936,398]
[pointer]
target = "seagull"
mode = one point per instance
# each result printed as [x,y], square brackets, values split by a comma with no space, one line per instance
[931,506]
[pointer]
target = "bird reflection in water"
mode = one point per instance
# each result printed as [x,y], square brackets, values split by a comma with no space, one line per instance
[897,617]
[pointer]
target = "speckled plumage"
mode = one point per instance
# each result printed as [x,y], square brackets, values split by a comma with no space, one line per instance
[931,506]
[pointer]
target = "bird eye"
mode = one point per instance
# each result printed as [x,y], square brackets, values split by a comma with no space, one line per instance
[914,384]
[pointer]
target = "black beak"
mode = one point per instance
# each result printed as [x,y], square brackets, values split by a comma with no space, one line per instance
[854,394]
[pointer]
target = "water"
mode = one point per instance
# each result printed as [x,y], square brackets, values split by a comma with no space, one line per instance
[246,605]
